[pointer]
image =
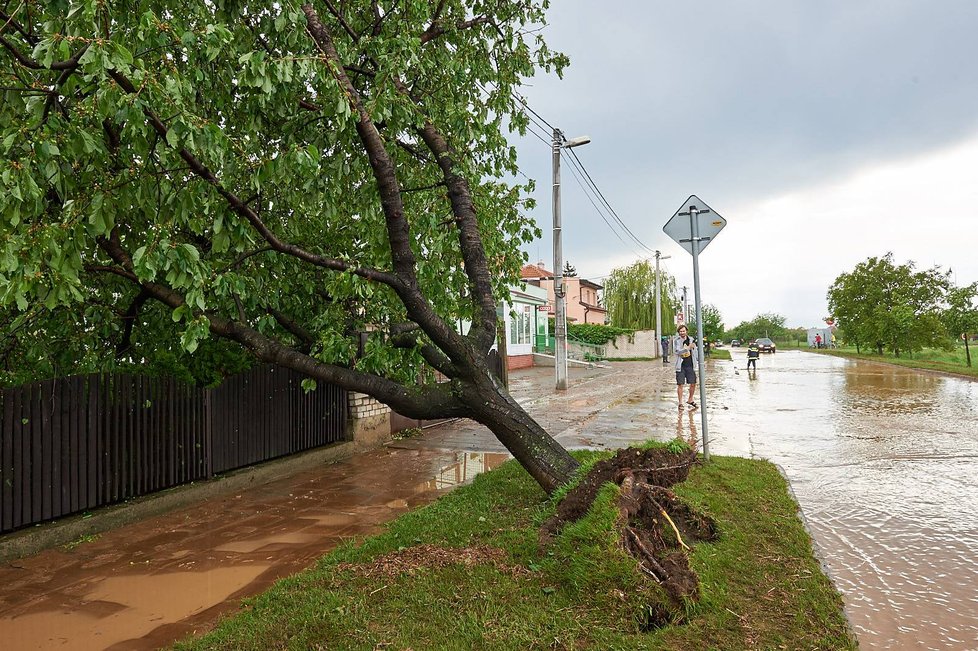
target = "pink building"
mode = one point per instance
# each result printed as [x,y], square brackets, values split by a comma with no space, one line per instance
[582,294]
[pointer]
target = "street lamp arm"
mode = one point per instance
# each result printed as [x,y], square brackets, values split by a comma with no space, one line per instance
[576,142]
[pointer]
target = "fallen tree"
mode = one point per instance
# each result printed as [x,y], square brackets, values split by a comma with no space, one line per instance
[285,177]
[288,178]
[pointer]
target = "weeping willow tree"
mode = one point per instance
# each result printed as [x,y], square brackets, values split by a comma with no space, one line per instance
[629,295]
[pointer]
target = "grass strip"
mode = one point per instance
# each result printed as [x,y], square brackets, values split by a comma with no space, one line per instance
[930,359]
[466,573]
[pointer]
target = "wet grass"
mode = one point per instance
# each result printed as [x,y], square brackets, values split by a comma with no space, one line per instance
[720,353]
[761,586]
[932,359]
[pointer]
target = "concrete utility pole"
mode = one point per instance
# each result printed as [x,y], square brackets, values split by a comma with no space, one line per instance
[658,309]
[560,307]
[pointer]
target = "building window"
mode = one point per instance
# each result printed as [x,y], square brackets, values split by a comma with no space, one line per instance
[520,331]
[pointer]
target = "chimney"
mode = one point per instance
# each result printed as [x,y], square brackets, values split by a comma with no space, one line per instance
[542,264]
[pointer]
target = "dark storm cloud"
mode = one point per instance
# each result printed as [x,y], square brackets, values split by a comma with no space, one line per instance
[738,101]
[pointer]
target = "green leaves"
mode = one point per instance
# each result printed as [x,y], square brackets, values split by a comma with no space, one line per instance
[884,305]
[250,98]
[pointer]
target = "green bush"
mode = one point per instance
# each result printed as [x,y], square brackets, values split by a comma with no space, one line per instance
[595,334]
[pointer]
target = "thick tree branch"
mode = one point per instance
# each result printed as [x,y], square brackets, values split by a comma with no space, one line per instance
[306,338]
[418,400]
[434,357]
[342,21]
[129,321]
[438,28]
[9,21]
[28,62]
[470,240]
[398,232]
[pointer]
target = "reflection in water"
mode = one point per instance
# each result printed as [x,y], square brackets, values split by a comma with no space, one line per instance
[465,468]
[686,427]
[882,460]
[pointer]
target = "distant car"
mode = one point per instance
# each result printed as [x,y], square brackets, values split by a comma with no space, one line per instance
[735,342]
[765,345]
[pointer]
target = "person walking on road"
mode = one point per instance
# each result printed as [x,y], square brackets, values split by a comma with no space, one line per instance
[753,352]
[684,348]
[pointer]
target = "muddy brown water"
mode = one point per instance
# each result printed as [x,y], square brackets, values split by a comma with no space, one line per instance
[884,462]
[148,584]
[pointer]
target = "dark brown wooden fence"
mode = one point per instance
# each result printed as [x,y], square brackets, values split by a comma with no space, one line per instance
[81,442]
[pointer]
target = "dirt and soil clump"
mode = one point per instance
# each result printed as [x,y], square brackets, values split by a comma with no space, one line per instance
[654,525]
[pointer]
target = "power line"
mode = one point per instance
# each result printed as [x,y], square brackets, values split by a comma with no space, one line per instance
[597,191]
[542,139]
[523,101]
[601,214]
[590,188]
[608,204]
[590,192]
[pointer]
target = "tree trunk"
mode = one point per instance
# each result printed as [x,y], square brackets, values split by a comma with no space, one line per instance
[967,351]
[539,453]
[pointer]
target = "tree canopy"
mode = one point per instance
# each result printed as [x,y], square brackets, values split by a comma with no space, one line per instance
[960,317]
[629,296]
[712,323]
[763,325]
[884,305]
[282,176]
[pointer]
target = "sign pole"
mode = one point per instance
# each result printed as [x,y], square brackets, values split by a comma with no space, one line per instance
[695,233]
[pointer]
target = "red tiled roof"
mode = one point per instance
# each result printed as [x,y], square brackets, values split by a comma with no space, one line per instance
[531,271]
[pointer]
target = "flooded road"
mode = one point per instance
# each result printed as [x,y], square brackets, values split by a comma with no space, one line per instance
[881,459]
[883,462]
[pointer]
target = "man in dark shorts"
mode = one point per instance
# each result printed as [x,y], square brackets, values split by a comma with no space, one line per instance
[684,348]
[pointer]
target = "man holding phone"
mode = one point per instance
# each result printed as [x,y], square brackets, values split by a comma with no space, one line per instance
[684,348]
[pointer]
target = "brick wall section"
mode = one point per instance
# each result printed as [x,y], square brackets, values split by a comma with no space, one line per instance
[363,406]
[369,423]
[519,361]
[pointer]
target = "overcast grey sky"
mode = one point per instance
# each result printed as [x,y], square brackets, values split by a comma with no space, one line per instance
[823,132]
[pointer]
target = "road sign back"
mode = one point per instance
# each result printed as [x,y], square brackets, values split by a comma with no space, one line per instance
[708,224]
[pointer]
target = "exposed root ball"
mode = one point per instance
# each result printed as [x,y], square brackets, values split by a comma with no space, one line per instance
[655,526]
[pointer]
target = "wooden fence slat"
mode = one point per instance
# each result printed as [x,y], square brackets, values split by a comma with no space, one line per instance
[7,463]
[85,441]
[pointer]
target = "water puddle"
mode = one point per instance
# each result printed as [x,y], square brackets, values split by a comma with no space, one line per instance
[125,607]
[140,586]
[882,460]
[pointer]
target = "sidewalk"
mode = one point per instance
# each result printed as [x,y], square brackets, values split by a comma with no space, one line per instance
[147,584]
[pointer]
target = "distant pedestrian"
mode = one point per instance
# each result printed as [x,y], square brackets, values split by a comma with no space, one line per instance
[753,352]
[683,348]
[818,341]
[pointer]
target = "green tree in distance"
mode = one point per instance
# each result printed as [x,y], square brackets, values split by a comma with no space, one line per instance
[961,315]
[629,296]
[712,323]
[888,306]
[569,270]
[763,325]
[282,176]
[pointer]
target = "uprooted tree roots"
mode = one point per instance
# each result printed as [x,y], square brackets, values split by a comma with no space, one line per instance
[654,525]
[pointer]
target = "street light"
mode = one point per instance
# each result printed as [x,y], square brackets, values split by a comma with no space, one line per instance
[560,311]
[658,308]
